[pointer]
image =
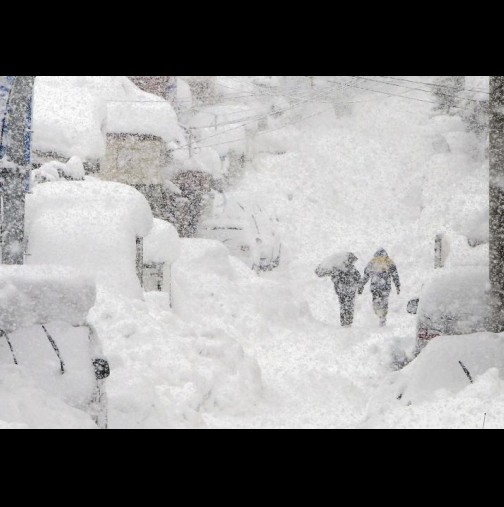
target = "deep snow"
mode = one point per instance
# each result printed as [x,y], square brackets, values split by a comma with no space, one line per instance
[245,351]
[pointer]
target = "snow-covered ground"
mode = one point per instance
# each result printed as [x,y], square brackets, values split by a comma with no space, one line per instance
[239,350]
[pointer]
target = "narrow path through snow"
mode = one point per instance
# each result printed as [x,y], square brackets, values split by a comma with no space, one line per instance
[355,186]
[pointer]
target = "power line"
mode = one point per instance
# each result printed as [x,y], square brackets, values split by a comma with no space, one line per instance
[269,130]
[396,95]
[198,109]
[276,128]
[263,88]
[350,84]
[291,95]
[438,85]
[417,89]
[257,116]
[230,98]
[325,93]
[247,120]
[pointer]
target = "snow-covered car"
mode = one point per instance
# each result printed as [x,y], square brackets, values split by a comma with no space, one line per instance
[44,331]
[454,302]
[249,233]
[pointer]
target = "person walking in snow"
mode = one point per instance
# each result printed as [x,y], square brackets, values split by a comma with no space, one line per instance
[381,270]
[346,280]
[346,284]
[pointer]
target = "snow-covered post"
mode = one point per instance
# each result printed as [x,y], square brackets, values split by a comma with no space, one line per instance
[496,190]
[438,251]
[161,249]
[14,166]
[190,142]
[170,285]
[140,260]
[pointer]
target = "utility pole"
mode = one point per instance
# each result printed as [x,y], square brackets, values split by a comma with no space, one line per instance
[15,167]
[496,193]
[438,251]
[190,142]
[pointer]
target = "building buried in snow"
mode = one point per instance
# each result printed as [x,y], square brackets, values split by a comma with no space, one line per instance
[139,141]
[137,160]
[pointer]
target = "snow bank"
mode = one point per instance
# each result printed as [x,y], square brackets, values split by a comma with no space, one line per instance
[434,391]
[212,286]
[171,372]
[458,253]
[455,186]
[26,406]
[51,171]
[207,160]
[461,295]
[438,368]
[32,295]
[35,354]
[91,226]
[475,228]
[162,244]
[75,169]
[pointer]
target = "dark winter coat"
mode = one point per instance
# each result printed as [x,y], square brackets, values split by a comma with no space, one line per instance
[346,281]
[381,270]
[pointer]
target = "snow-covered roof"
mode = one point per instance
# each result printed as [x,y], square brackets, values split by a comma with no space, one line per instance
[152,118]
[73,113]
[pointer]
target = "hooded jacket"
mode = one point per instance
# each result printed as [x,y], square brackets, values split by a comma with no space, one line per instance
[381,270]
